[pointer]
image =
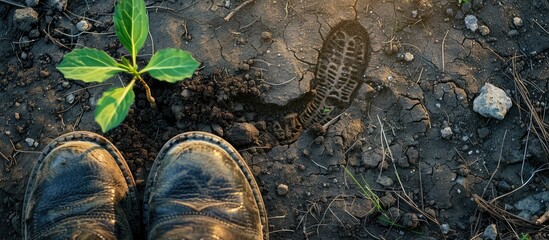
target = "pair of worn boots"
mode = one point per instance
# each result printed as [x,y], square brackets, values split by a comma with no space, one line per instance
[198,188]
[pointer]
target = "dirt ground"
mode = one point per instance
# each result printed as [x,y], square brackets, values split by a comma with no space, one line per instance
[413,68]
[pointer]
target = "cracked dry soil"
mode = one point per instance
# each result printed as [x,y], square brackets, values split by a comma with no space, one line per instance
[262,70]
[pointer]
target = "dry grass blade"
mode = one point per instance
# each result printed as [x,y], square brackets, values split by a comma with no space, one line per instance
[541,128]
[510,219]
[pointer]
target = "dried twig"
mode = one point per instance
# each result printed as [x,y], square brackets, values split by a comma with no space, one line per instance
[499,162]
[512,220]
[12,3]
[443,40]
[541,130]
[231,14]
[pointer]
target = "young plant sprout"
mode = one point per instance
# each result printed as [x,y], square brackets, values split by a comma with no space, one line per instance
[93,65]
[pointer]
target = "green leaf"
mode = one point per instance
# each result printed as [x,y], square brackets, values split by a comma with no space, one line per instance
[113,107]
[132,24]
[125,62]
[88,65]
[171,65]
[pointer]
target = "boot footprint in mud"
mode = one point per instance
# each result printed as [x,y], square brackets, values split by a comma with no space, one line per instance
[339,73]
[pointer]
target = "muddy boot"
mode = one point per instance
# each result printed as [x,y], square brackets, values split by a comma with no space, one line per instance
[80,188]
[200,188]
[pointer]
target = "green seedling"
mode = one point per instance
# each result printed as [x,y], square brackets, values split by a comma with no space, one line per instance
[325,111]
[93,65]
[525,236]
[463,1]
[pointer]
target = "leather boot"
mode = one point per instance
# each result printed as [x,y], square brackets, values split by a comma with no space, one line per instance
[200,188]
[80,188]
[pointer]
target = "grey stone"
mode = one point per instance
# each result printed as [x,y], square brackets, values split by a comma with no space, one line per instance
[24,18]
[446,132]
[410,220]
[492,102]
[491,232]
[371,159]
[471,22]
[387,200]
[445,228]
[450,12]
[513,33]
[34,33]
[394,214]
[385,181]
[242,134]
[70,98]
[282,189]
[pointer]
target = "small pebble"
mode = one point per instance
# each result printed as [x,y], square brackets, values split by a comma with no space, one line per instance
[491,232]
[282,189]
[513,33]
[17,116]
[484,30]
[517,22]
[83,26]
[385,181]
[414,13]
[450,12]
[70,98]
[30,142]
[445,228]
[446,132]
[267,36]
[408,57]
[34,33]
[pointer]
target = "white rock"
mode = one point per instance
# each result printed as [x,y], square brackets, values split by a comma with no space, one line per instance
[446,132]
[517,22]
[408,57]
[30,142]
[83,26]
[492,102]
[471,22]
